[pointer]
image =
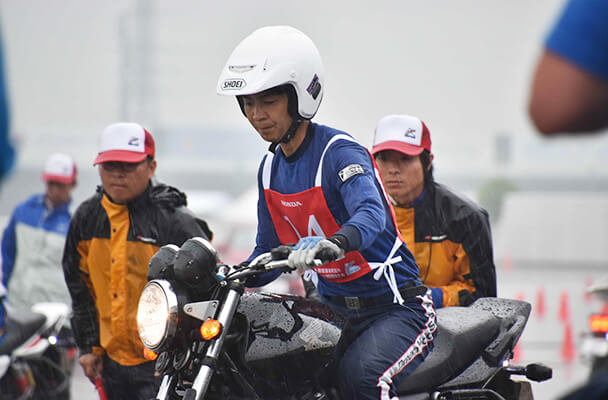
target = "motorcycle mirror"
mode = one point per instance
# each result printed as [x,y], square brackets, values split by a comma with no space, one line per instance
[160,265]
[195,264]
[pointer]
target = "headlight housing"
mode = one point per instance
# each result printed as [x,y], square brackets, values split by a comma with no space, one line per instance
[195,268]
[157,314]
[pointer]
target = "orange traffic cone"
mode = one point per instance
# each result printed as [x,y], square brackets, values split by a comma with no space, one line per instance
[507,262]
[568,352]
[564,307]
[588,283]
[516,353]
[540,302]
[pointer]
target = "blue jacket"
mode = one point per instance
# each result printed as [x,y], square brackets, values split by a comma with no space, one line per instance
[357,205]
[32,248]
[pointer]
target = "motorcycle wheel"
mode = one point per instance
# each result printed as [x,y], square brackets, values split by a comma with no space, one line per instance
[52,380]
[17,383]
[599,365]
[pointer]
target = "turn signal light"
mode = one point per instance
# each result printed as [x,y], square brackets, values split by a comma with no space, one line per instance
[598,323]
[210,329]
[149,354]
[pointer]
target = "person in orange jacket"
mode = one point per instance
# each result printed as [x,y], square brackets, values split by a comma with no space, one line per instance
[112,236]
[449,235]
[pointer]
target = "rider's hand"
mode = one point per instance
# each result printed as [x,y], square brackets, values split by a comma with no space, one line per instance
[310,247]
[92,365]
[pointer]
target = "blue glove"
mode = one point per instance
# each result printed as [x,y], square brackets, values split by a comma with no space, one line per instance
[308,248]
[437,294]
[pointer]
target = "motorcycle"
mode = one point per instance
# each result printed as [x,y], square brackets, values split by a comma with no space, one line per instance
[213,340]
[595,343]
[37,354]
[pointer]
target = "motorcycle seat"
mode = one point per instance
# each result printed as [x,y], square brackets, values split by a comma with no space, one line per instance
[463,334]
[21,329]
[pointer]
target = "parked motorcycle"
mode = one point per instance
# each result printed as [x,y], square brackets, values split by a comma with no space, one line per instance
[37,354]
[213,340]
[595,343]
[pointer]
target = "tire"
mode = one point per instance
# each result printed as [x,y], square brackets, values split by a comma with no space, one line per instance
[599,365]
[52,382]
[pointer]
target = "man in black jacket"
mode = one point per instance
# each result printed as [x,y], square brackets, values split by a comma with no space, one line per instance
[111,238]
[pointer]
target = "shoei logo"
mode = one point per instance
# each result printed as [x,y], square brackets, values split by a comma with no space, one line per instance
[134,141]
[411,133]
[233,84]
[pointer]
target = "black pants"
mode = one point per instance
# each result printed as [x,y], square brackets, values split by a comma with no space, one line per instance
[129,383]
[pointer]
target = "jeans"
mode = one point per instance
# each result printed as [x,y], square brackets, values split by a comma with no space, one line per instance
[129,382]
[381,346]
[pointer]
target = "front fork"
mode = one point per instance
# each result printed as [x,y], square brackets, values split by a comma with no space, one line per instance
[211,356]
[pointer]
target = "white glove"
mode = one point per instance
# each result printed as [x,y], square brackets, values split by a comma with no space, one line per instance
[308,248]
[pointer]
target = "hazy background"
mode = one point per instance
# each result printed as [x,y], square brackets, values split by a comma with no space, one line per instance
[464,67]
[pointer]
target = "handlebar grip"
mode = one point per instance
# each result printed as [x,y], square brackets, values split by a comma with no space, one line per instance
[327,255]
[282,252]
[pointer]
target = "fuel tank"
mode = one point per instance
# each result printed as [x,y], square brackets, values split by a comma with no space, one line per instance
[288,332]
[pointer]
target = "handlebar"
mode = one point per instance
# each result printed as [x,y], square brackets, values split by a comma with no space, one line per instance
[276,259]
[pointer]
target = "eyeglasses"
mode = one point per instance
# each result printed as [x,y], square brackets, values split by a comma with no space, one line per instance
[115,166]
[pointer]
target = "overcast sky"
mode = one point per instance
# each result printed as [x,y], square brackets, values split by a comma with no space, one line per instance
[462,66]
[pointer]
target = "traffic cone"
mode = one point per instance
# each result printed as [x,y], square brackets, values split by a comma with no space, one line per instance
[516,353]
[588,283]
[564,307]
[507,262]
[540,302]
[568,352]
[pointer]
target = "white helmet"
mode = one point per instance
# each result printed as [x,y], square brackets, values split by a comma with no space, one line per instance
[273,56]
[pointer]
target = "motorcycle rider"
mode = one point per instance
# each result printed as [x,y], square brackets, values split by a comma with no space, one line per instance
[33,240]
[318,188]
[111,238]
[449,235]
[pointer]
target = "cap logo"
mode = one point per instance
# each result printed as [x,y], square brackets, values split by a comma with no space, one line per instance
[134,141]
[411,133]
[233,84]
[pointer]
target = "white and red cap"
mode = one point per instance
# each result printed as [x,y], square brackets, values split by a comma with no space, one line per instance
[124,142]
[402,133]
[59,168]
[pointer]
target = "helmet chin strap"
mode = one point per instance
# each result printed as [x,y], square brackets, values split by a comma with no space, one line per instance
[291,132]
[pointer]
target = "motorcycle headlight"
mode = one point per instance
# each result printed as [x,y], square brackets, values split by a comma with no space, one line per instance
[157,314]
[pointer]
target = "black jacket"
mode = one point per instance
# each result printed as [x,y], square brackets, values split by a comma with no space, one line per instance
[105,264]
[448,221]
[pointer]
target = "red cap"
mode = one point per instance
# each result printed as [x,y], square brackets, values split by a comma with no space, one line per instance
[402,133]
[124,142]
[59,168]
